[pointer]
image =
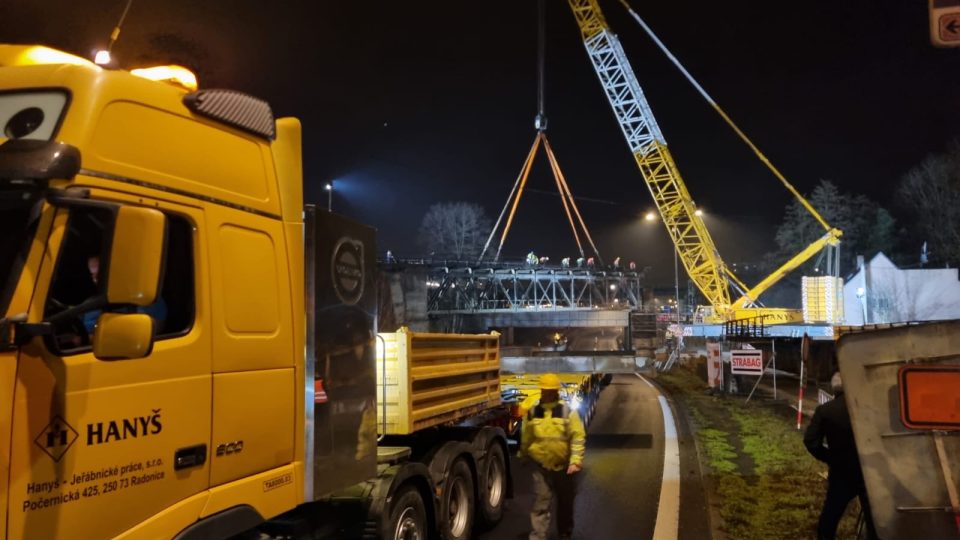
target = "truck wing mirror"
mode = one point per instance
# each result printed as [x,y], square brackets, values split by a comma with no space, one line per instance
[28,159]
[136,256]
[123,336]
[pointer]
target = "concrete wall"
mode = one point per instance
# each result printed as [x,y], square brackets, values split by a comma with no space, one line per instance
[403,300]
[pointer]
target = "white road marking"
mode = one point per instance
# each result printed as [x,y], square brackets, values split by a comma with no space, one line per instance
[642,378]
[668,511]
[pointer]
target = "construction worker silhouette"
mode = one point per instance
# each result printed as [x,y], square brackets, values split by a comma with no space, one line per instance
[831,425]
[553,437]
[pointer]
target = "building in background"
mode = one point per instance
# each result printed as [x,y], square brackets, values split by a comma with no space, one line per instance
[879,293]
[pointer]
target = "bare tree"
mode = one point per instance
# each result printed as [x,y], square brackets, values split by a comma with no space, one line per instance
[454,229]
[931,191]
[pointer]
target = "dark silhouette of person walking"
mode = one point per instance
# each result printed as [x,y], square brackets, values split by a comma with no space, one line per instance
[829,438]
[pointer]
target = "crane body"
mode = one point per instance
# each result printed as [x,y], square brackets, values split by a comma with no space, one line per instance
[692,241]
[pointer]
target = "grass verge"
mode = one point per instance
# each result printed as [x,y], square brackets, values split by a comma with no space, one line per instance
[760,477]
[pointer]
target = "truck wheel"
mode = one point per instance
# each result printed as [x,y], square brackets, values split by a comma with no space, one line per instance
[493,486]
[408,516]
[458,503]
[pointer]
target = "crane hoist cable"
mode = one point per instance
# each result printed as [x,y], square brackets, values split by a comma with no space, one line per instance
[726,118]
[563,188]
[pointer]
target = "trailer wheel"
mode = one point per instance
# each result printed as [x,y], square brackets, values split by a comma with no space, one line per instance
[408,516]
[493,486]
[458,503]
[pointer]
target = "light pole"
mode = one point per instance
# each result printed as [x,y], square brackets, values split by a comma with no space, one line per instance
[328,187]
[650,216]
[862,299]
[675,233]
[676,284]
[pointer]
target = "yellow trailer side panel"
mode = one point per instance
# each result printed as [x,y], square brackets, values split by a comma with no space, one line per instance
[425,380]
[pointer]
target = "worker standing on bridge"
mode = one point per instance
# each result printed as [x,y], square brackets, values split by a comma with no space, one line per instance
[553,437]
[532,259]
[831,423]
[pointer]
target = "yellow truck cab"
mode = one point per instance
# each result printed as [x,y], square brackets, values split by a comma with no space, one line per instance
[159,275]
[173,229]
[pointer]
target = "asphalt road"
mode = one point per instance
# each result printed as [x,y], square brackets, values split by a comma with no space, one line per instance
[619,487]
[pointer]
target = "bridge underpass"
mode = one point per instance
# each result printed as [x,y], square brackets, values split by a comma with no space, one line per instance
[595,311]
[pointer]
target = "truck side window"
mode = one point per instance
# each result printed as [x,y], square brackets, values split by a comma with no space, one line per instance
[80,267]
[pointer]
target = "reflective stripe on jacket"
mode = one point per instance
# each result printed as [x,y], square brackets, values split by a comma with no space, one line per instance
[553,436]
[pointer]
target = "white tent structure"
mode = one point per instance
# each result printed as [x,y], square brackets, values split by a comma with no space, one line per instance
[879,293]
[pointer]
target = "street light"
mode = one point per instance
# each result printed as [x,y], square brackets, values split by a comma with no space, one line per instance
[651,216]
[328,187]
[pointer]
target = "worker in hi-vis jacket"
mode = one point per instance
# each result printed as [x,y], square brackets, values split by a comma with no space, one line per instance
[553,437]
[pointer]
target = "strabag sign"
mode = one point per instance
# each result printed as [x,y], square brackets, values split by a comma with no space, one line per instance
[746,362]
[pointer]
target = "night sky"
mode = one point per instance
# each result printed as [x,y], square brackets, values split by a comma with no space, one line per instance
[409,103]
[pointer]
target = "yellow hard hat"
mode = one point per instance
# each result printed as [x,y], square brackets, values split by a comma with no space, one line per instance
[549,381]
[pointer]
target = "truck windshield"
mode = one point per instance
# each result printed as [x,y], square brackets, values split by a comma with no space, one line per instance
[19,208]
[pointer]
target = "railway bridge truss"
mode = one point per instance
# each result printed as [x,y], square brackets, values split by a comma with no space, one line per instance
[491,289]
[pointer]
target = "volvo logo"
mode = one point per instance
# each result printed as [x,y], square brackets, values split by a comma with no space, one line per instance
[347,270]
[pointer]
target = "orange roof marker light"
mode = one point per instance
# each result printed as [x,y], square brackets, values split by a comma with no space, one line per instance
[27,55]
[176,75]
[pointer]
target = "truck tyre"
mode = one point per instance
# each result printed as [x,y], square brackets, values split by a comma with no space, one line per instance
[458,504]
[408,516]
[493,487]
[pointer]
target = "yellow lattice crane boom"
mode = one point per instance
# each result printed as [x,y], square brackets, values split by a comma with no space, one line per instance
[686,228]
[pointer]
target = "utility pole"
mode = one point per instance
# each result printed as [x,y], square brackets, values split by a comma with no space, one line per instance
[676,290]
[676,283]
[328,187]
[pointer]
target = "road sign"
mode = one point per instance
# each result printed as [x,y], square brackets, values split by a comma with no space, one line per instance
[746,362]
[930,397]
[945,23]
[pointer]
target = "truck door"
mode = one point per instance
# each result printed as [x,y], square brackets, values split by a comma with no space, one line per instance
[99,446]
[20,219]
